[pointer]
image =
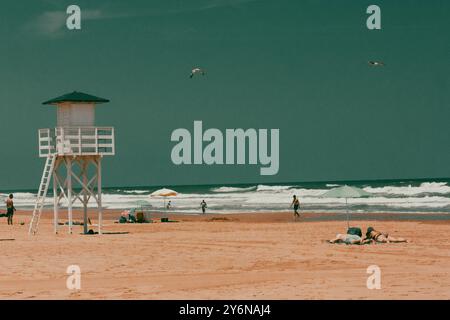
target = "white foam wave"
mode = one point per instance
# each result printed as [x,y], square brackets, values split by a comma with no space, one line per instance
[135,191]
[262,187]
[426,187]
[232,189]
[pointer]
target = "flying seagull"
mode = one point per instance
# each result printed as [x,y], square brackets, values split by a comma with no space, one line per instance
[197,70]
[376,63]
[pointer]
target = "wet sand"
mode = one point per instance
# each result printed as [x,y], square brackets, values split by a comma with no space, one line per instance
[239,256]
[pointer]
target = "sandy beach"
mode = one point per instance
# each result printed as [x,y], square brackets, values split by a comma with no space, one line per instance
[238,256]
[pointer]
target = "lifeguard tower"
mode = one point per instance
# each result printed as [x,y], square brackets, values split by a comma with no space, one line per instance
[73,152]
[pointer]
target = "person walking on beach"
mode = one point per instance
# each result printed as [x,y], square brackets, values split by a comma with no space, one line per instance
[10,209]
[204,206]
[296,205]
[169,204]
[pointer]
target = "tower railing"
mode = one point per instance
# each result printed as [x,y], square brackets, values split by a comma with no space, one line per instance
[76,141]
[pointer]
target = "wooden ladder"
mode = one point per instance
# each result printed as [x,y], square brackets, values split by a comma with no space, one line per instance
[42,193]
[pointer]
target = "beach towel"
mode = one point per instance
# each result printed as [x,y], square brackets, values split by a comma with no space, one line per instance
[349,238]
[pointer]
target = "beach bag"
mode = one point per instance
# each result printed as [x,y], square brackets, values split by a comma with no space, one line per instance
[355,231]
[123,220]
[140,217]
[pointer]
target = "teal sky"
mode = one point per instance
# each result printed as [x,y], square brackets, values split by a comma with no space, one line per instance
[300,66]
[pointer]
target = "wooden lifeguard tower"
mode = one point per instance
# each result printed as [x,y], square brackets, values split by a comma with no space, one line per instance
[73,152]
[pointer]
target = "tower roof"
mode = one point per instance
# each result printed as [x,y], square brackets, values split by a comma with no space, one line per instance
[76,97]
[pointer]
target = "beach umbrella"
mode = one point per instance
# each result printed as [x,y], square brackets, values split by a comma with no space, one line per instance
[164,192]
[346,192]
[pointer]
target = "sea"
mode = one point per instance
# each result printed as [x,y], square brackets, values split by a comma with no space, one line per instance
[388,196]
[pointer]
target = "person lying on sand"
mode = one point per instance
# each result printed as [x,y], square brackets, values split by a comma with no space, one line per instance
[380,237]
[349,239]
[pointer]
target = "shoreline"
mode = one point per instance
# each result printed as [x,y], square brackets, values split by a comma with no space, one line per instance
[113,214]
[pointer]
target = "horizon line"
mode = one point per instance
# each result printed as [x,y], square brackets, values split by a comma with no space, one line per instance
[254,183]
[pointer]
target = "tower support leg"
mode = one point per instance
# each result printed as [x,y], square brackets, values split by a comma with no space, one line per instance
[77,172]
[69,191]
[99,194]
[84,168]
[55,198]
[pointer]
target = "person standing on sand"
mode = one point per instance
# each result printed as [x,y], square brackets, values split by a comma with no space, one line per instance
[204,206]
[10,209]
[296,205]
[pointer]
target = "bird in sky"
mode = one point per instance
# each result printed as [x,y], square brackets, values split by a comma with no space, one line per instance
[376,63]
[197,71]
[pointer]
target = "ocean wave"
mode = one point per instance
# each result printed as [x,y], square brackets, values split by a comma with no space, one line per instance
[232,189]
[423,188]
[262,187]
[303,192]
[134,191]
